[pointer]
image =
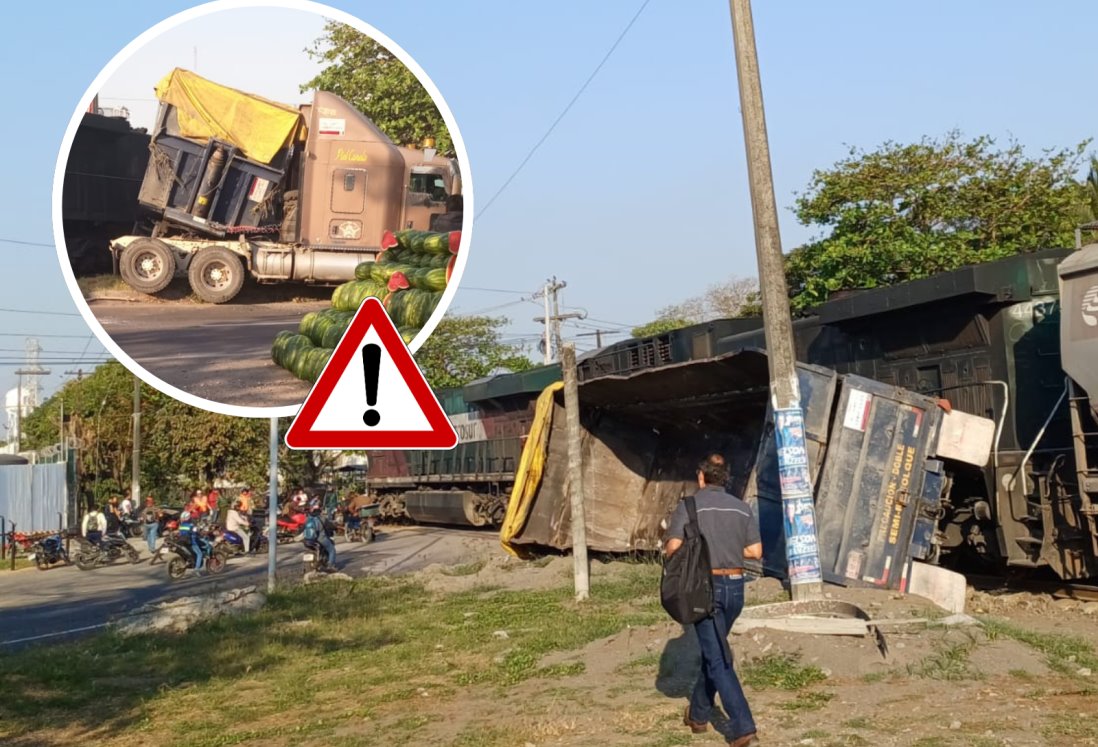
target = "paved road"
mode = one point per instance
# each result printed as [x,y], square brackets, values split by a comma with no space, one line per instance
[220,352]
[64,601]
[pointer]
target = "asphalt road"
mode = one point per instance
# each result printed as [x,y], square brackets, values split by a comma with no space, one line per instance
[220,353]
[45,606]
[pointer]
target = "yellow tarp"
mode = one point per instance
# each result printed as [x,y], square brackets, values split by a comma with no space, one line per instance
[260,128]
[530,468]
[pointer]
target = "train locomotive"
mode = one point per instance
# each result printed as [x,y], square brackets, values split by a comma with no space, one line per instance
[992,339]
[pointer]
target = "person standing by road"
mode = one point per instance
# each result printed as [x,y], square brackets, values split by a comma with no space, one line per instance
[113,516]
[731,534]
[127,506]
[150,519]
[93,526]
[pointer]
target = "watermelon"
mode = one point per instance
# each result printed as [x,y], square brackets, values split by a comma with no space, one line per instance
[364,271]
[399,281]
[349,296]
[412,307]
[299,356]
[318,325]
[450,268]
[433,280]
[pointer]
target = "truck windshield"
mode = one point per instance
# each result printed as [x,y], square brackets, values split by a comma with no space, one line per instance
[430,184]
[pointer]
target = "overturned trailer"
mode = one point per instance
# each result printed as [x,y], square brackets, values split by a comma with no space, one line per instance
[879,457]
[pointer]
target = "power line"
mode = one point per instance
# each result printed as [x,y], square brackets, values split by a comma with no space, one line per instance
[492,290]
[44,313]
[24,243]
[591,77]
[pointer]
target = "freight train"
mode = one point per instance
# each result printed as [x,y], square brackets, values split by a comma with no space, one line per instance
[1014,340]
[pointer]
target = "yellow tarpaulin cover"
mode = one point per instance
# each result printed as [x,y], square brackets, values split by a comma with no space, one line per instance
[205,109]
[530,468]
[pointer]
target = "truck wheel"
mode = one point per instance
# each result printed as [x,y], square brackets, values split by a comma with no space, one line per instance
[147,265]
[216,275]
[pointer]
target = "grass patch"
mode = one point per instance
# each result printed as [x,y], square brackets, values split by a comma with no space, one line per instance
[871,678]
[816,734]
[97,284]
[931,742]
[242,676]
[465,569]
[861,722]
[1074,725]
[810,701]
[21,562]
[780,672]
[949,663]
[1065,654]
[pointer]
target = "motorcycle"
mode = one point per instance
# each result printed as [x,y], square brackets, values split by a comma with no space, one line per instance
[229,543]
[49,551]
[290,528]
[183,557]
[316,559]
[110,548]
[131,527]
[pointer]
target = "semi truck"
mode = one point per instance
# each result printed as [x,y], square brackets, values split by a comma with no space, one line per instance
[238,186]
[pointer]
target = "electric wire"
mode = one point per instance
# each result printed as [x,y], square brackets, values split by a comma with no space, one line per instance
[591,77]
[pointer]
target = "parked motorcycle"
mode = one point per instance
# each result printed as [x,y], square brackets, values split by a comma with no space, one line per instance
[181,556]
[131,527]
[110,548]
[229,544]
[49,551]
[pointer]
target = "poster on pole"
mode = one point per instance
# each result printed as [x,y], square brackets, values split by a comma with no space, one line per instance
[798,513]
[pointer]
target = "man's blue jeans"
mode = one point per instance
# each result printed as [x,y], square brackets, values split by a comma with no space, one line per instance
[326,541]
[718,674]
[200,547]
[151,533]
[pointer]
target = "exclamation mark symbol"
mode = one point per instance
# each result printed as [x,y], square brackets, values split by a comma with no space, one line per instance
[371,361]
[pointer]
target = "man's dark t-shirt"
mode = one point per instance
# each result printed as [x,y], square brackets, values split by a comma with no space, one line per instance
[727,523]
[113,524]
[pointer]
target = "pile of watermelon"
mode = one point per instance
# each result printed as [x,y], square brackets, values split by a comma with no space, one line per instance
[409,277]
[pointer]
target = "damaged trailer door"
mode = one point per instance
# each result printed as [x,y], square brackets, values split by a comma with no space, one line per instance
[643,435]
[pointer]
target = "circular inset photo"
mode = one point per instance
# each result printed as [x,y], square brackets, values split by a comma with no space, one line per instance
[238,180]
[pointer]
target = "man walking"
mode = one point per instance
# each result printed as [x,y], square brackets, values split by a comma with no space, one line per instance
[732,534]
[150,518]
[94,525]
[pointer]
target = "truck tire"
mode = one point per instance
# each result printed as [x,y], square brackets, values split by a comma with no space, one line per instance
[147,265]
[216,275]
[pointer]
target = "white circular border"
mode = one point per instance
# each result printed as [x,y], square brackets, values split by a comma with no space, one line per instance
[119,59]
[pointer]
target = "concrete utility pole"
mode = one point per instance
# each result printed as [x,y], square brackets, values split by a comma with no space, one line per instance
[802,545]
[552,321]
[135,474]
[580,568]
[272,508]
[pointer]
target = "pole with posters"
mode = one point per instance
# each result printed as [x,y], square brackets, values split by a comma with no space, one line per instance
[801,543]
[272,508]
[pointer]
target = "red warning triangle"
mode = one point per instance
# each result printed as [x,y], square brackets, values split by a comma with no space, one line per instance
[371,394]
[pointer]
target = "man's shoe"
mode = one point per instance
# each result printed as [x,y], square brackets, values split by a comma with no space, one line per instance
[747,740]
[695,726]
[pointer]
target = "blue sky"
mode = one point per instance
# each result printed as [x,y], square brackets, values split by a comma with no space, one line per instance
[639,197]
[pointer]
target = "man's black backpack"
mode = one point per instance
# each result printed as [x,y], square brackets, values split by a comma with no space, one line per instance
[686,586]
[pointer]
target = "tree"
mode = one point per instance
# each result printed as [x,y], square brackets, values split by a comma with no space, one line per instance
[376,83]
[735,297]
[908,211]
[182,446]
[464,348]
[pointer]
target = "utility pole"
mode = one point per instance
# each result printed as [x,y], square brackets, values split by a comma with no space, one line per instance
[272,508]
[31,369]
[580,568]
[802,544]
[552,321]
[135,475]
[78,373]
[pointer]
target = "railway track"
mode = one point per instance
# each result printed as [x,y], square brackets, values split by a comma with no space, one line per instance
[1053,587]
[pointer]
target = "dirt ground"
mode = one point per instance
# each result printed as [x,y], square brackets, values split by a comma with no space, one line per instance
[938,685]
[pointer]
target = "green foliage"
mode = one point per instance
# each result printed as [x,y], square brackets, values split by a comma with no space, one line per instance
[903,212]
[375,82]
[781,672]
[182,446]
[660,326]
[464,348]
